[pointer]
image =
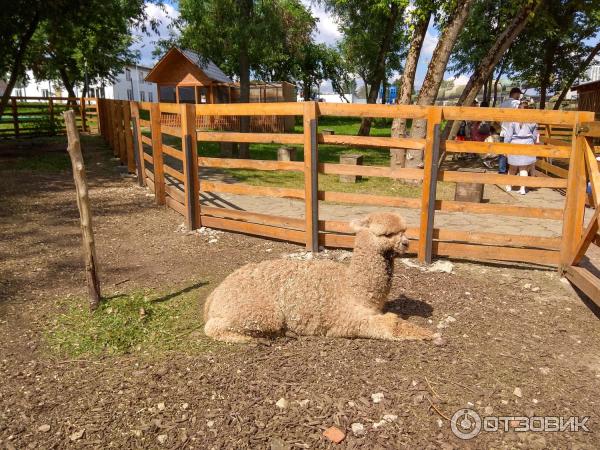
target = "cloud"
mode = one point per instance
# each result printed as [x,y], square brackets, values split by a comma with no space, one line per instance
[146,42]
[327,30]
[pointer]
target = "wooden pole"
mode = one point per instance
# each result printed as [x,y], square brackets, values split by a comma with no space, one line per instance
[311,160]
[138,145]
[190,166]
[434,118]
[13,104]
[128,136]
[51,115]
[82,112]
[157,154]
[85,213]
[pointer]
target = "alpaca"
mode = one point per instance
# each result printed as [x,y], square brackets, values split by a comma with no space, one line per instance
[317,297]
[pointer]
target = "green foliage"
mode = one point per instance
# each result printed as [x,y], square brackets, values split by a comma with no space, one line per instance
[137,322]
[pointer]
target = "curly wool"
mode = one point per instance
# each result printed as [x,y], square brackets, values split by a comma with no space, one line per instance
[316,297]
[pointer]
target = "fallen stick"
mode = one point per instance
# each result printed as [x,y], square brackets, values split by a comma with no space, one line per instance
[83,204]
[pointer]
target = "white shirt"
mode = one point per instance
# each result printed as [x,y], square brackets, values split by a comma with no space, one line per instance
[508,103]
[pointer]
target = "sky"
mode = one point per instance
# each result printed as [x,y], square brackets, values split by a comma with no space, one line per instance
[327,32]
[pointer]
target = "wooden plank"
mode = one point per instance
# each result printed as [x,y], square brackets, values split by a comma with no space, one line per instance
[175,193]
[370,141]
[172,151]
[555,142]
[146,106]
[157,155]
[229,163]
[495,178]
[347,241]
[174,173]
[311,161]
[146,140]
[254,229]
[128,136]
[554,170]
[499,209]
[428,194]
[588,236]
[247,216]
[172,108]
[368,199]
[171,131]
[575,201]
[138,147]
[175,205]
[593,171]
[262,138]
[246,189]
[190,166]
[250,109]
[145,123]
[363,110]
[483,238]
[149,158]
[508,115]
[123,149]
[547,151]
[585,281]
[496,253]
[371,171]
[590,129]
[149,175]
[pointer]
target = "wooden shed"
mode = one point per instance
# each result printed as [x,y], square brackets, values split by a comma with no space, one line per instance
[588,97]
[183,76]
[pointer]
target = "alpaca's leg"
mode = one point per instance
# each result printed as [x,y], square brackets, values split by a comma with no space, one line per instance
[382,326]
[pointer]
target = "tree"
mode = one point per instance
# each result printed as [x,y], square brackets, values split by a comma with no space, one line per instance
[317,63]
[244,36]
[372,43]
[435,71]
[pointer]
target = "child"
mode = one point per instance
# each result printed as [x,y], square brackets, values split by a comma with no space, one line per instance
[521,133]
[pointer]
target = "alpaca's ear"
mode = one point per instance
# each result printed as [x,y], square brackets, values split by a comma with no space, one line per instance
[360,224]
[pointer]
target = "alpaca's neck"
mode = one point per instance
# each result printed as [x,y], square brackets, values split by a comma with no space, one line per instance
[370,273]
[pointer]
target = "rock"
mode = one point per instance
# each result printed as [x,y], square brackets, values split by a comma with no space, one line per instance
[161,406]
[358,429]
[527,286]
[334,434]
[351,404]
[303,403]
[162,438]
[545,370]
[77,435]
[44,428]
[380,360]
[185,406]
[282,403]
[518,392]
[535,289]
[450,319]
[380,424]
[488,410]
[137,433]
[377,397]
[504,402]
[210,423]
[441,266]
[213,240]
[439,341]
[390,417]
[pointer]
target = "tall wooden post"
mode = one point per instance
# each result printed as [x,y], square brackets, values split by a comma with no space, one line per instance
[83,204]
[15,115]
[311,192]
[157,154]
[82,112]
[138,145]
[128,136]
[51,115]
[575,199]
[114,130]
[122,138]
[426,223]
[190,166]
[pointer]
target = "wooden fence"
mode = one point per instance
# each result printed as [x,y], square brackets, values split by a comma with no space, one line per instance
[42,116]
[175,176]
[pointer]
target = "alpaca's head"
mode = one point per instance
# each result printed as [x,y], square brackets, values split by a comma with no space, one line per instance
[383,229]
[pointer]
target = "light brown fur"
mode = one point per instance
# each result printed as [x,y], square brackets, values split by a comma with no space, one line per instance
[317,297]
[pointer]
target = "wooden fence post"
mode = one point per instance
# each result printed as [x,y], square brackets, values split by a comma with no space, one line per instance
[51,115]
[311,185]
[128,137]
[575,198]
[138,146]
[190,166]
[82,112]
[426,223]
[157,154]
[83,204]
[15,115]
[114,141]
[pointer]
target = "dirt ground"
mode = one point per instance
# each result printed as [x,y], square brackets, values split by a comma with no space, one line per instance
[516,342]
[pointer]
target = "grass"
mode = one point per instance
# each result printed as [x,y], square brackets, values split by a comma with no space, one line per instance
[51,162]
[139,322]
[327,154]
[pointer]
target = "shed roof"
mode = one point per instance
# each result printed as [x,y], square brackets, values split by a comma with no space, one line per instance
[589,86]
[207,67]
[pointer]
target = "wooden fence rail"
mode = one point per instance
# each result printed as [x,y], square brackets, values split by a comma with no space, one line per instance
[42,116]
[175,175]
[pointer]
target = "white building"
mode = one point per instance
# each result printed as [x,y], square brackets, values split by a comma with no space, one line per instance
[593,73]
[128,85]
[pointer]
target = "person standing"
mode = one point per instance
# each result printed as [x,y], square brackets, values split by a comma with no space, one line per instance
[521,133]
[511,102]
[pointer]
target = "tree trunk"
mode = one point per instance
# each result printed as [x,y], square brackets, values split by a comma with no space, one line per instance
[500,71]
[549,51]
[407,82]
[18,61]
[379,72]
[306,87]
[435,74]
[490,60]
[570,81]
[85,212]
[244,63]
